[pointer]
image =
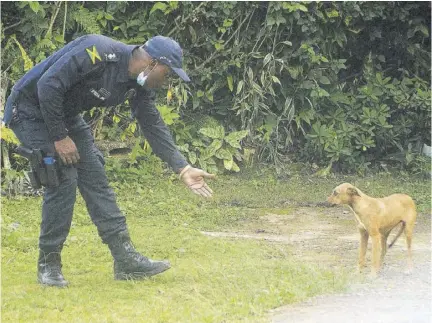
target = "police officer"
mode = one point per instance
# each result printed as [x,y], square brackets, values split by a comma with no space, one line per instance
[44,109]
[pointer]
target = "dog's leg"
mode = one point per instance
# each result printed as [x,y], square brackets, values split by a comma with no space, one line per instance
[376,252]
[408,235]
[383,246]
[364,237]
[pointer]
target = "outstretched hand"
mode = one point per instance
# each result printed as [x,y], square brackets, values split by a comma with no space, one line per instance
[194,179]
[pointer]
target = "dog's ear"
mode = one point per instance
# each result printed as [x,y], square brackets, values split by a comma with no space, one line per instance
[352,191]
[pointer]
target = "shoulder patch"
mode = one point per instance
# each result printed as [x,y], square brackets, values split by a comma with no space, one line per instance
[93,53]
[111,57]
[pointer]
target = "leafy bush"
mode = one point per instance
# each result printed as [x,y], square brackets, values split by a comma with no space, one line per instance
[340,84]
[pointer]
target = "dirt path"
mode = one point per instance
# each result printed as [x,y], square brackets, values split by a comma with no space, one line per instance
[328,236]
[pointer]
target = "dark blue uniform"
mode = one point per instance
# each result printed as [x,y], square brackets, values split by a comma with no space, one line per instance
[45,106]
[92,71]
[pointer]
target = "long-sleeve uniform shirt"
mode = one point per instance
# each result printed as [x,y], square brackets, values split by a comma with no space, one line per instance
[92,71]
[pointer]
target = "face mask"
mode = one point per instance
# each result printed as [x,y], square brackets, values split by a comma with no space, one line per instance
[142,77]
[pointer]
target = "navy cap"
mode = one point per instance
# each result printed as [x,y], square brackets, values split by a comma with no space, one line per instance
[167,51]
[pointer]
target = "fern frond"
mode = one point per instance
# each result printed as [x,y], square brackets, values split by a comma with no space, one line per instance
[28,63]
[87,20]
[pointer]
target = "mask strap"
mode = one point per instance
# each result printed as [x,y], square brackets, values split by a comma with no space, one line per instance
[147,67]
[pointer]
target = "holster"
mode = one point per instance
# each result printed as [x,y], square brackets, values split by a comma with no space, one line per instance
[44,167]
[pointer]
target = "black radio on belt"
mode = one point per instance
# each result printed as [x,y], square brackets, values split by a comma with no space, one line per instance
[44,167]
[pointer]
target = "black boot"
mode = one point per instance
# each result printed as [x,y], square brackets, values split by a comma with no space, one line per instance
[128,263]
[49,269]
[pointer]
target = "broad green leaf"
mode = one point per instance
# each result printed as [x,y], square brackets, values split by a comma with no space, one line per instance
[294,6]
[263,79]
[214,133]
[116,118]
[173,4]
[223,154]
[211,161]
[215,146]
[234,138]
[235,167]
[324,80]
[270,21]
[167,114]
[239,86]
[276,80]
[280,20]
[308,84]
[158,6]
[228,164]
[324,59]
[332,14]
[219,46]
[169,95]
[347,20]
[209,96]
[193,34]
[197,143]
[294,72]
[302,8]
[230,82]
[227,23]
[9,136]
[287,42]
[211,149]
[132,127]
[192,157]
[183,148]
[34,5]
[212,169]
[323,92]
[202,164]
[250,74]
[424,30]
[267,59]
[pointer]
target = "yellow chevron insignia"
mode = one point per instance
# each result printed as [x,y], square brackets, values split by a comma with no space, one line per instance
[93,53]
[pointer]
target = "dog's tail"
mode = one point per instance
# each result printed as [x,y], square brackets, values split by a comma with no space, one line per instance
[398,234]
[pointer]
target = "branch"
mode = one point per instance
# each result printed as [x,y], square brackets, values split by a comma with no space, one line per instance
[175,21]
[64,21]
[10,66]
[53,18]
[229,39]
[265,19]
[11,26]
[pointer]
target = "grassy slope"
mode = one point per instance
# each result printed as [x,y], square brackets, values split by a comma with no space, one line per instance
[212,280]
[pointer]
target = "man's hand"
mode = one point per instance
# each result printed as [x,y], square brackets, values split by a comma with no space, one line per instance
[67,151]
[194,179]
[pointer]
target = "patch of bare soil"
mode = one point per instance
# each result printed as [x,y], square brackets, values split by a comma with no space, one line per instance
[329,235]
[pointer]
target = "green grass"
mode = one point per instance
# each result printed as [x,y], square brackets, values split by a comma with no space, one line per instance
[211,280]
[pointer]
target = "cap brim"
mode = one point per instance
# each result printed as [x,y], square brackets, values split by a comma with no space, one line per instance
[180,72]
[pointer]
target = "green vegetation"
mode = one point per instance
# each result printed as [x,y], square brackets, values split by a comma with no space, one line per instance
[312,90]
[344,85]
[212,279]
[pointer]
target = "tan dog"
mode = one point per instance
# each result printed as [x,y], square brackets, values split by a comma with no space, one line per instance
[376,217]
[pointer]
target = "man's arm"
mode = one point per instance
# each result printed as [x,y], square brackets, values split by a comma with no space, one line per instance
[155,130]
